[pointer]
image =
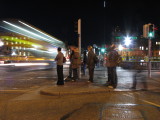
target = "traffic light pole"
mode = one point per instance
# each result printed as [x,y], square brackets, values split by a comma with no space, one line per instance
[149,58]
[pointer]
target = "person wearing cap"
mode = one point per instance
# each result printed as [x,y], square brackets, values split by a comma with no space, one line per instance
[91,63]
[59,59]
[111,63]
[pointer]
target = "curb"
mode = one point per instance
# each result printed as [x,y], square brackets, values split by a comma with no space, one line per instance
[58,91]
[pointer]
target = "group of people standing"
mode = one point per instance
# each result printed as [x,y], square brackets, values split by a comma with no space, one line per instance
[89,61]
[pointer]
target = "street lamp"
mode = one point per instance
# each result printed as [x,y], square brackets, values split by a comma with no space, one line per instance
[102,50]
[127,41]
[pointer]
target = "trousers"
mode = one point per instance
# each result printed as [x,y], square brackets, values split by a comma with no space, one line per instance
[60,75]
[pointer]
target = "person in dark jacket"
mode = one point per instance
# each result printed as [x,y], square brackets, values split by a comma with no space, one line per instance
[75,64]
[84,62]
[91,63]
[59,59]
[112,63]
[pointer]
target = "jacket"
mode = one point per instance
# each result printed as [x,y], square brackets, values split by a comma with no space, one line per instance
[59,58]
[112,59]
[91,59]
[75,60]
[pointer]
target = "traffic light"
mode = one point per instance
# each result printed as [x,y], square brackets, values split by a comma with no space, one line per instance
[102,50]
[150,30]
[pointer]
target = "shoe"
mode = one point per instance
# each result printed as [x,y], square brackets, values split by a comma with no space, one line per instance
[111,87]
[133,88]
[108,84]
[73,80]
[89,81]
[67,79]
[144,89]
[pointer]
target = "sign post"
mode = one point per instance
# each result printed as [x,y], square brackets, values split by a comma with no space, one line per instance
[79,44]
[149,58]
[148,32]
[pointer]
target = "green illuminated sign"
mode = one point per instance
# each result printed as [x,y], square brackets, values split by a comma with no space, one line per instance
[134,38]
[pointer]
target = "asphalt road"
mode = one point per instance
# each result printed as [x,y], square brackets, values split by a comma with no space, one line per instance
[20,99]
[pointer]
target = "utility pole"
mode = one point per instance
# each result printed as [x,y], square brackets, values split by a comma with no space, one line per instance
[149,58]
[79,43]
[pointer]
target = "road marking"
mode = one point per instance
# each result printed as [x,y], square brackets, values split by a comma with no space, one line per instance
[13,90]
[151,103]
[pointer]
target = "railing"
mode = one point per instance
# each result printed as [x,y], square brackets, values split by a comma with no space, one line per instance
[155,65]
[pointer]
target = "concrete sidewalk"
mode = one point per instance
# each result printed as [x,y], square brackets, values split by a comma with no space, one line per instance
[81,86]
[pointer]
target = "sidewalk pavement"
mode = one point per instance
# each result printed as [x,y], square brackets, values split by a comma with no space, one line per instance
[81,86]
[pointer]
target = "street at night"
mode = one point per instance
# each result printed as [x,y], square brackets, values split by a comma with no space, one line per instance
[79,60]
[21,97]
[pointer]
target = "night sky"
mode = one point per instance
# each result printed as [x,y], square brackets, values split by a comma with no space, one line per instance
[58,18]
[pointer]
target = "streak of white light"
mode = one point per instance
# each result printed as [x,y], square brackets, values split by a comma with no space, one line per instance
[25,30]
[38,30]
[18,32]
[24,64]
[30,64]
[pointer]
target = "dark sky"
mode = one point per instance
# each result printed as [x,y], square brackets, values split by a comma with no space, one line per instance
[57,17]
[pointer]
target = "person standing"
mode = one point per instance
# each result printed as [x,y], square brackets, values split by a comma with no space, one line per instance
[75,63]
[111,63]
[59,59]
[138,76]
[84,62]
[70,67]
[91,63]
